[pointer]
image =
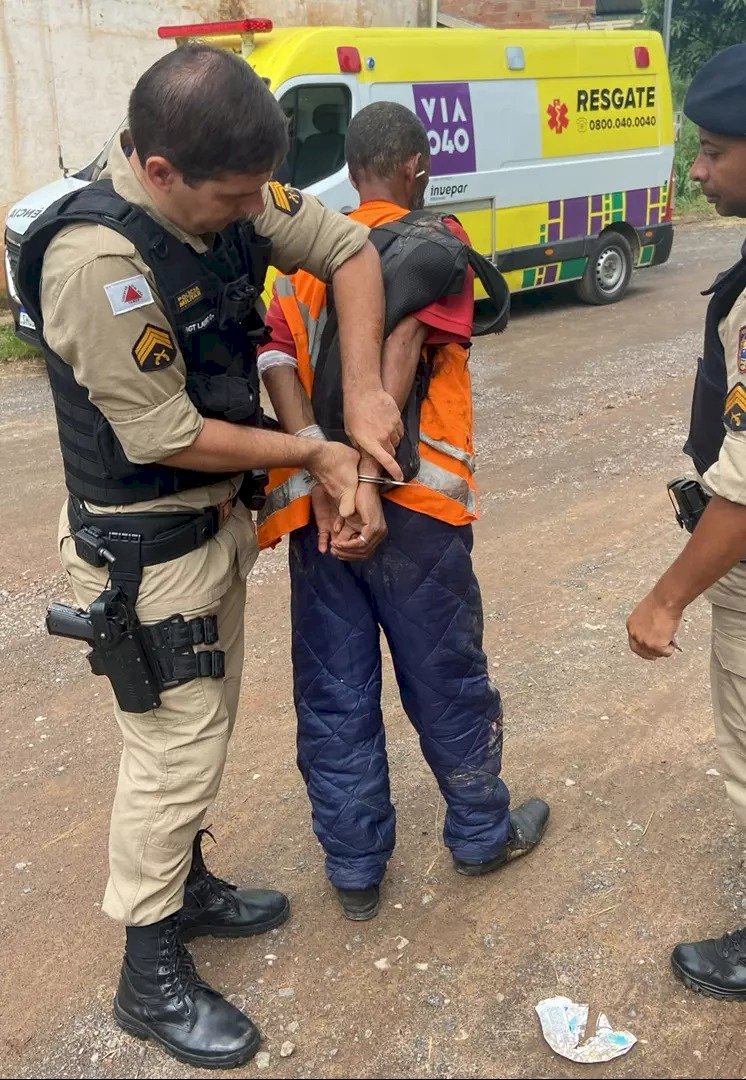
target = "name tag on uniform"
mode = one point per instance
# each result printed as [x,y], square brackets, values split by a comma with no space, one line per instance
[128,294]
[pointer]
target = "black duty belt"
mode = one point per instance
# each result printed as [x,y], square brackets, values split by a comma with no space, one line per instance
[130,542]
[161,536]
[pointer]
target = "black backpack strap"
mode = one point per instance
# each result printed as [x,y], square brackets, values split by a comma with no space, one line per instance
[422,261]
[490,316]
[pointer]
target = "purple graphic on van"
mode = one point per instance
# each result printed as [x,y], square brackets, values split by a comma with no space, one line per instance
[445,110]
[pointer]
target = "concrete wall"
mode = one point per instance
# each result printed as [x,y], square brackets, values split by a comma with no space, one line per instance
[67,66]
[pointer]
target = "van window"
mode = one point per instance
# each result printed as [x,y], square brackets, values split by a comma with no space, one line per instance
[318,116]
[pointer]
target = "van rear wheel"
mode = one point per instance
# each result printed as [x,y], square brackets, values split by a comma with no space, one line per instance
[608,272]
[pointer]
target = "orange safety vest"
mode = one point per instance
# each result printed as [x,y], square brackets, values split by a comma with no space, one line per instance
[444,487]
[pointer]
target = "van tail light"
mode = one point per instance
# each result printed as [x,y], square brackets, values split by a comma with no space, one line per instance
[348,58]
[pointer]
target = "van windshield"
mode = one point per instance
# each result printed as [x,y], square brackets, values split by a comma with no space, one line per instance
[318,117]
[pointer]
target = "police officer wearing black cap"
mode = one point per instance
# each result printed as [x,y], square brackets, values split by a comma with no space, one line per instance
[711,561]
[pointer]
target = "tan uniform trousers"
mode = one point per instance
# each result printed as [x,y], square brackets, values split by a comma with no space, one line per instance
[728,681]
[173,757]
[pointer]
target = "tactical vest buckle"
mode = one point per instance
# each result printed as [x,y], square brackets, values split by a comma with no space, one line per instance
[236,301]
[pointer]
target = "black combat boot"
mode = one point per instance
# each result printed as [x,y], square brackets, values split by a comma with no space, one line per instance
[527,825]
[359,904]
[162,997]
[212,906]
[715,966]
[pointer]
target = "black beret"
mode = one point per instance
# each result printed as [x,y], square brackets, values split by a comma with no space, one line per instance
[716,99]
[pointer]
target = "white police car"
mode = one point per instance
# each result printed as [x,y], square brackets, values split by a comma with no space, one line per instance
[20,217]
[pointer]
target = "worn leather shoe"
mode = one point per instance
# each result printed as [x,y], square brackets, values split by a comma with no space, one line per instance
[161,997]
[527,826]
[213,906]
[359,904]
[715,966]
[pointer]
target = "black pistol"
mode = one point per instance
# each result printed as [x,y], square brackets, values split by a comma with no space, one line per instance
[119,647]
[69,622]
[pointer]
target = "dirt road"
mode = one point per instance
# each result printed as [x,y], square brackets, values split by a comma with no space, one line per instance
[581,413]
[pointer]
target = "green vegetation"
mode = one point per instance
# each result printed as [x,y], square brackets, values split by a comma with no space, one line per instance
[11,348]
[689,197]
[699,29]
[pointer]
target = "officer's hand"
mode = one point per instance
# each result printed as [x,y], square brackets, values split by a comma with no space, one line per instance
[325,513]
[358,536]
[652,628]
[334,465]
[374,425]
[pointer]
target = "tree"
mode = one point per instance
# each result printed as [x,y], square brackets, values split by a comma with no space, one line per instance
[699,29]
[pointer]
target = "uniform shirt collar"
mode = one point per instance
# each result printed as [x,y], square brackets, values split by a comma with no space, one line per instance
[126,184]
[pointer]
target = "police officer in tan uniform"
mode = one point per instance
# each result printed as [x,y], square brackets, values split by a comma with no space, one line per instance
[712,561]
[144,287]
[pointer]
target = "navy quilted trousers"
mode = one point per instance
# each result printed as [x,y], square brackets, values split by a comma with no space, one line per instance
[420,589]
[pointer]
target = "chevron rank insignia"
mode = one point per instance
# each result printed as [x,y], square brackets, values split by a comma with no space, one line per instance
[735,408]
[154,350]
[286,199]
[742,350]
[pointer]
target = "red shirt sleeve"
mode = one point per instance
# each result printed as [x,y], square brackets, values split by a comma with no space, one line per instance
[282,340]
[451,318]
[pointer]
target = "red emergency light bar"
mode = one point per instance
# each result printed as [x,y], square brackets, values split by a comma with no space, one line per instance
[238,26]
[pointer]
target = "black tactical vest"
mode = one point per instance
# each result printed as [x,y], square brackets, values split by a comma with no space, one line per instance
[210,303]
[707,429]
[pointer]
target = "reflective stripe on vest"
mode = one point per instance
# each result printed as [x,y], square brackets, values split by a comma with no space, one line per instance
[450,450]
[314,328]
[447,495]
[280,498]
[288,506]
[446,483]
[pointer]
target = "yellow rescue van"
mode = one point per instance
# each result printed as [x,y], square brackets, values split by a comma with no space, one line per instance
[553,147]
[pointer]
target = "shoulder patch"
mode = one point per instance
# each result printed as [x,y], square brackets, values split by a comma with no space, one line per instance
[128,294]
[742,350]
[735,408]
[286,199]
[154,350]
